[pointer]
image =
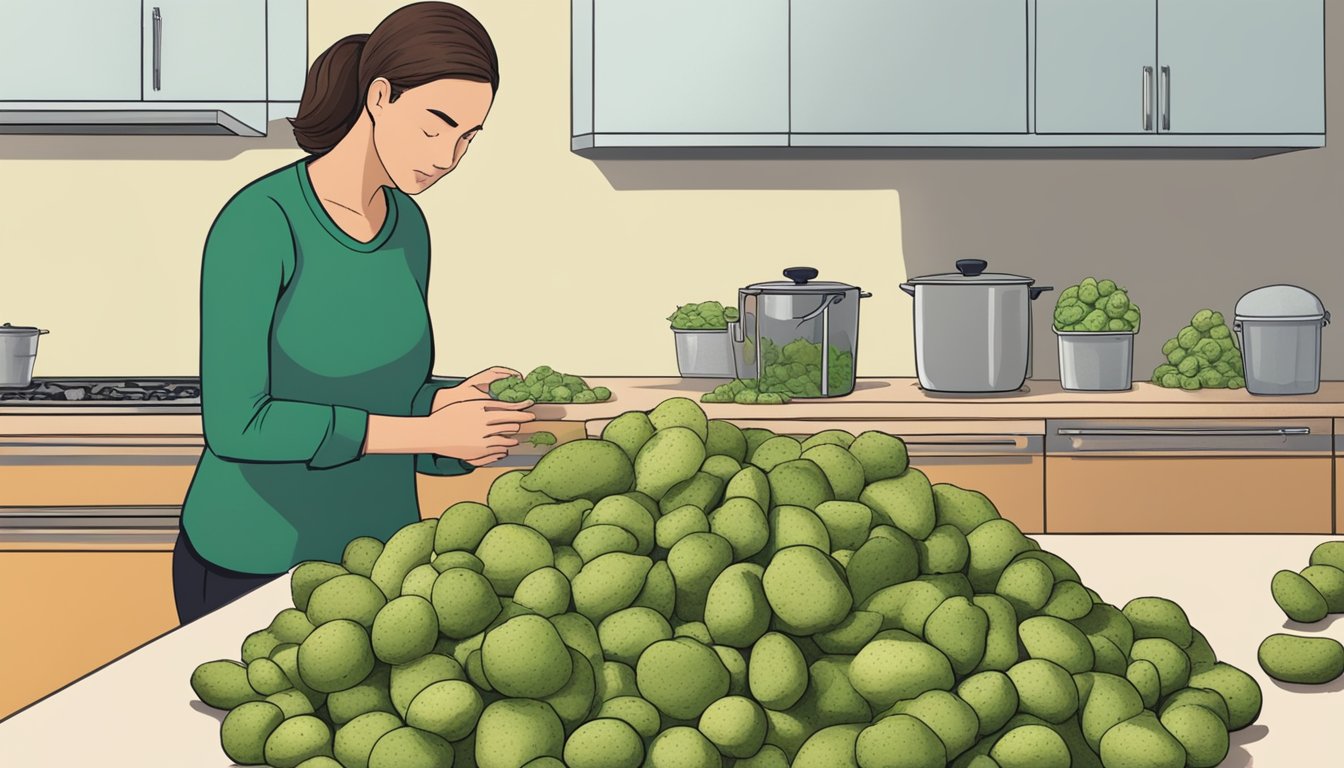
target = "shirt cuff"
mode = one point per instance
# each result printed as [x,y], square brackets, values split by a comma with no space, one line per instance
[441,466]
[428,463]
[424,398]
[344,441]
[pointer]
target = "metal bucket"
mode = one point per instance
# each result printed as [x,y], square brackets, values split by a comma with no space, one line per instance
[1096,361]
[18,354]
[704,354]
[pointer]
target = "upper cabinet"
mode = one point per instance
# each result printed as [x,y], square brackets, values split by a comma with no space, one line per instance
[150,66]
[876,67]
[702,71]
[1129,78]
[40,62]
[1180,67]
[1096,66]
[1241,66]
[205,51]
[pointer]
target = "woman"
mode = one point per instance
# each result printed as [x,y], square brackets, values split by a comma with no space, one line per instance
[316,349]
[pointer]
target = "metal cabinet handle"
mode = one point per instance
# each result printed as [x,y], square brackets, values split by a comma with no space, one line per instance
[1178,432]
[1166,98]
[962,443]
[158,49]
[1147,98]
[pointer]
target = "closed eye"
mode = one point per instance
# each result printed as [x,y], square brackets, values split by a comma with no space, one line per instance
[427,133]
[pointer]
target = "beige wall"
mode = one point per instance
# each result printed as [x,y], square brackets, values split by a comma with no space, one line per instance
[545,257]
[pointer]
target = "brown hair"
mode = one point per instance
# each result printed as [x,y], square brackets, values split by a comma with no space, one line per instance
[414,45]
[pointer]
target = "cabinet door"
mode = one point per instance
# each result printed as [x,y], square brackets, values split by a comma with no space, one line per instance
[695,66]
[1096,66]
[205,50]
[1241,66]
[1011,477]
[91,607]
[79,50]
[908,66]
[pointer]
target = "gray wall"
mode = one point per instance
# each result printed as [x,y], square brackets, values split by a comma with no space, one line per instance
[1180,234]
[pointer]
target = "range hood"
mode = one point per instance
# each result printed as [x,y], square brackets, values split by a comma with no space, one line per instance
[124,122]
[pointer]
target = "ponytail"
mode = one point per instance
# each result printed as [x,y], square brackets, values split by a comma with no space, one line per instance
[332,97]
[416,44]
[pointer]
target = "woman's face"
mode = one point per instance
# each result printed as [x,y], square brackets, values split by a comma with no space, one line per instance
[423,135]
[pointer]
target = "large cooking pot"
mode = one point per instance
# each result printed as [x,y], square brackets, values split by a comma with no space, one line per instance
[18,353]
[973,329]
[798,336]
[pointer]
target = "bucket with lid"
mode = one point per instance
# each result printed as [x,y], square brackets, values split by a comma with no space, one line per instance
[1279,330]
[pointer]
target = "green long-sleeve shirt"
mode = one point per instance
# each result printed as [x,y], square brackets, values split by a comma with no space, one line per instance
[305,332]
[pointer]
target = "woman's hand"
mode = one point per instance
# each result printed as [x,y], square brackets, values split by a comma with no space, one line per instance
[471,388]
[478,431]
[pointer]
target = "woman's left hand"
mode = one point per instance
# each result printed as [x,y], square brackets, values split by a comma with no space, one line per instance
[472,388]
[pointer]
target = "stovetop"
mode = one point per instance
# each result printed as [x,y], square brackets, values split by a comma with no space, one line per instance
[105,391]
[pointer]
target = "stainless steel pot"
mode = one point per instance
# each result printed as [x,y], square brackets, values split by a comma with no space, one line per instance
[973,329]
[18,353]
[798,336]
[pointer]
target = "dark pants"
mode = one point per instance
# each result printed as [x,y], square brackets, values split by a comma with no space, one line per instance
[200,586]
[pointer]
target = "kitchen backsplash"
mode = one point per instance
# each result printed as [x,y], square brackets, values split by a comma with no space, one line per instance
[543,257]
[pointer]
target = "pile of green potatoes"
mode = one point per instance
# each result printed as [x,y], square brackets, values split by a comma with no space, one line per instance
[1307,596]
[546,385]
[705,316]
[793,370]
[1203,355]
[683,593]
[1096,306]
[744,392]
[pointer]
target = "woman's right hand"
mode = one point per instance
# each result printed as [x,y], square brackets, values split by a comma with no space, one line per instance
[478,431]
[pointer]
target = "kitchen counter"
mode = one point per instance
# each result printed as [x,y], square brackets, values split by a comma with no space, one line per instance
[141,708]
[872,399]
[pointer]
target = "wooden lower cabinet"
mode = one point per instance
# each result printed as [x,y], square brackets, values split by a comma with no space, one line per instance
[438,493]
[69,613]
[1190,476]
[1339,497]
[1014,484]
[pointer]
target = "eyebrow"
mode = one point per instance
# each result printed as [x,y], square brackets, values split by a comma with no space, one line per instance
[450,121]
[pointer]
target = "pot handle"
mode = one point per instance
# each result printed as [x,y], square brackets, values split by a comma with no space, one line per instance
[908,288]
[1037,290]
[1327,318]
[41,332]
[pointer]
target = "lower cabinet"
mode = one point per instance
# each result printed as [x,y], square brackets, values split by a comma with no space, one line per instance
[1009,470]
[1190,476]
[73,612]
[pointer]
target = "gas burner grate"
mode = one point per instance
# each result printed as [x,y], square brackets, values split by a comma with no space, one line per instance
[139,390]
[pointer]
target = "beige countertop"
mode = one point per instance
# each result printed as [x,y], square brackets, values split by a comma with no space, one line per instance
[873,399]
[140,709]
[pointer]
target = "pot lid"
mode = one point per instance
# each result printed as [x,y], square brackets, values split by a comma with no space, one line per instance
[1280,302]
[801,280]
[971,272]
[19,330]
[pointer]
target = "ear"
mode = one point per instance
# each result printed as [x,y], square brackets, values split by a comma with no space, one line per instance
[378,96]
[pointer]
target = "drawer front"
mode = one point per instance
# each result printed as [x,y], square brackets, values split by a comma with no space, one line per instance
[62,485]
[1191,437]
[1016,485]
[1138,494]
